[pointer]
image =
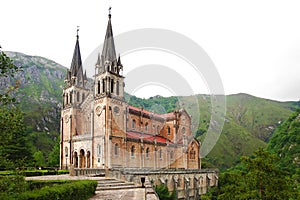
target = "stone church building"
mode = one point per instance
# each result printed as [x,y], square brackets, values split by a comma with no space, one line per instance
[100,130]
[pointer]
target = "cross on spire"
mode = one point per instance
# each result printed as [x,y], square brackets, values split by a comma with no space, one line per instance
[109,12]
[77,31]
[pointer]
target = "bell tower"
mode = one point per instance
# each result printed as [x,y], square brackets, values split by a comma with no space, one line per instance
[109,104]
[74,94]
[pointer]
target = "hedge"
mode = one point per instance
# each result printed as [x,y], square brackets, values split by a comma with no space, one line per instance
[74,190]
[37,184]
[28,173]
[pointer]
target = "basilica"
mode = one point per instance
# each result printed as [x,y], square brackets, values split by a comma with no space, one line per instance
[99,129]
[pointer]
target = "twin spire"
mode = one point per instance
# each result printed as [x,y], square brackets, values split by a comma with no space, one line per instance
[108,61]
[109,52]
[75,75]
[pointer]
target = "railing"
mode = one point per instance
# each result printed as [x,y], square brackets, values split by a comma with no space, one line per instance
[89,172]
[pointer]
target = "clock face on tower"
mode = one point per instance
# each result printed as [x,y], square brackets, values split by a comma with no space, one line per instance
[98,110]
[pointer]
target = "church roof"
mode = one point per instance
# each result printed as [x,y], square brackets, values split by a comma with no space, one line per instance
[166,116]
[147,137]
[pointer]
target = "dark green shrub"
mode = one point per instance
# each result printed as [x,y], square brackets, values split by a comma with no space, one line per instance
[64,171]
[163,192]
[74,190]
[32,185]
[11,185]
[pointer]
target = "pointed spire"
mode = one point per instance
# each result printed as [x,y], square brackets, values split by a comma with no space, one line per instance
[109,52]
[98,61]
[119,61]
[76,65]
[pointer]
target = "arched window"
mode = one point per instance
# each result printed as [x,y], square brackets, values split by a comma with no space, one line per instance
[66,151]
[160,154]
[133,123]
[183,130]
[132,150]
[116,149]
[103,85]
[146,127]
[112,85]
[192,154]
[83,96]
[98,150]
[71,97]
[117,88]
[172,155]
[169,130]
[158,129]
[99,87]
[147,152]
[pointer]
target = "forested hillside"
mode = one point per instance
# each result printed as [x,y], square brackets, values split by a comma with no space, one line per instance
[270,173]
[285,144]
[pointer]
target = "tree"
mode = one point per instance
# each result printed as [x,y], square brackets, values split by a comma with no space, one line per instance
[7,70]
[53,159]
[39,159]
[14,149]
[260,179]
[163,192]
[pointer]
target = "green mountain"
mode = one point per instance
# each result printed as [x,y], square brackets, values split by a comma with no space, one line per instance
[249,120]
[39,96]
[41,82]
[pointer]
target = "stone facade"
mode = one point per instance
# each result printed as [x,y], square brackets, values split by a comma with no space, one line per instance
[100,130]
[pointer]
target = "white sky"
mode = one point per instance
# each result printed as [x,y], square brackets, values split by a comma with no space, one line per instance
[255,44]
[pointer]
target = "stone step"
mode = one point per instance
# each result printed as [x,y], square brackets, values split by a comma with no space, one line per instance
[115,187]
[110,182]
[113,184]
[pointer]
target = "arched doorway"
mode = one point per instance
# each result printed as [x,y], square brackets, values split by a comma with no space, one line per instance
[82,159]
[75,159]
[88,162]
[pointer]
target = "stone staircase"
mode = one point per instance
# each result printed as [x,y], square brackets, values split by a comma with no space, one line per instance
[113,189]
[113,184]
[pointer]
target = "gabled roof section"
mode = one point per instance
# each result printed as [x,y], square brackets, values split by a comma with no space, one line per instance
[146,113]
[109,52]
